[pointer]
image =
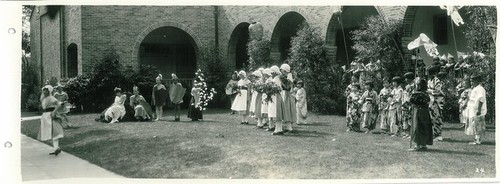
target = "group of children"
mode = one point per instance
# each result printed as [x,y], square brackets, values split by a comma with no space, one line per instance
[272,97]
[393,107]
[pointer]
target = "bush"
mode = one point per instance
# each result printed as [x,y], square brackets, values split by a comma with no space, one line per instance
[215,74]
[377,39]
[259,52]
[30,86]
[77,90]
[321,77]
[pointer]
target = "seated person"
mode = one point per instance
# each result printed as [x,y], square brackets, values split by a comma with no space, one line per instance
[142,110]
[117,109]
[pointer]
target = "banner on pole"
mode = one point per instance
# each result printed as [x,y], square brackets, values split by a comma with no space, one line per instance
[452,11]
[424,40]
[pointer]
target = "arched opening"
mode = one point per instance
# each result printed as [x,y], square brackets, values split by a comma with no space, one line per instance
[238,46]
[72,61]
[171,50]
[436,24]
[338,35]
[286,28]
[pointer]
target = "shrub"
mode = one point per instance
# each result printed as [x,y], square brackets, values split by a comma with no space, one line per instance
[259,52]
[77,90]
[215,74]
[321,77]
[30,86]
[377,39]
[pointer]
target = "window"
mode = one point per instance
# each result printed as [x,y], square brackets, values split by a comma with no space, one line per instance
[441,29]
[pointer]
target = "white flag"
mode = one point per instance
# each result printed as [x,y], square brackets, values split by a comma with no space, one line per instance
[424,40]
[452,11]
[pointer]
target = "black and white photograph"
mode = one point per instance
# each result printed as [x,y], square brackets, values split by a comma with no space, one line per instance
[268,93]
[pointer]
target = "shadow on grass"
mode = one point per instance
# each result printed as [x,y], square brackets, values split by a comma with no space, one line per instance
[146,157]
[305,133]
[85,135]
[467,142]
[454,152]
[317,124]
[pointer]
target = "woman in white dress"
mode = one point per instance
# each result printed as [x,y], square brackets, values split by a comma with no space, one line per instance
[275,107]
[50,124]
[117,110]
[241,100]
[266,78]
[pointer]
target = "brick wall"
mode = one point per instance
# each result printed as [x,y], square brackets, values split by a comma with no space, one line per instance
[123,28]
[72,32]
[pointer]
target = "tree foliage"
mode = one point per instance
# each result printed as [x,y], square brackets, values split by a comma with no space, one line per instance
[215,72]
[377,39]
[259,52]
[478,34]
[321,77]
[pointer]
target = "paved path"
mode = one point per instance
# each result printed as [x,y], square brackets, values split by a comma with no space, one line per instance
[37,164]
[30,118]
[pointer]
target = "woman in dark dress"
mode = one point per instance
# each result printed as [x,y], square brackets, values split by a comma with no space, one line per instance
[421,130]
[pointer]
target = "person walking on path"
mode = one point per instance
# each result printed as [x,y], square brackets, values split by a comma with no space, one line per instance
[50,124]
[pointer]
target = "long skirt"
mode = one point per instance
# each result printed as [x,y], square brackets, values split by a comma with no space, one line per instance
[384,120]
[140,112]
[275,106]
[353,118]
[406,118]
[421,130]
[289,109]
[394,120]
[369,120]
[264,106]
[114,112]
[50,128]
[256,105]
[436,117]
[193,112]
[240,102]
[475,125]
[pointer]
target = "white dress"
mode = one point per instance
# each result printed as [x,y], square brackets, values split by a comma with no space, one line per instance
[271,108]
[117,110]
[240,102]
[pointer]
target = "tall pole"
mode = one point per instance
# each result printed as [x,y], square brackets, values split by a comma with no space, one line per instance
[454,39]
[343,36]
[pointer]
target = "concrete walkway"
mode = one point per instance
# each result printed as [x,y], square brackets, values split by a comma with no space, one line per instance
[37,164]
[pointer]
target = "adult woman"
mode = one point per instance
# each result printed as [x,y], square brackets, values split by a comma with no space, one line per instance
[289,111]
[437,101]
[159,97]
[50,124]
[194,111]
[476,110]
[241,101]
[117,109]
[232,88]
[421,129]
[141,107]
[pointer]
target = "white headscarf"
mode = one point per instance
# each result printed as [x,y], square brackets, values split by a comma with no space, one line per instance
[242,73]
[285,67]
[275,69]
[257,73]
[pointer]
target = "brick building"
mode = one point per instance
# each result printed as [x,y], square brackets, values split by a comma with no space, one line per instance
[67,40]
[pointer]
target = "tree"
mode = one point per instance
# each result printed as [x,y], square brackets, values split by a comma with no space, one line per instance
[216,73]
[259,51]
[377,39]
[321,77]
[478,35]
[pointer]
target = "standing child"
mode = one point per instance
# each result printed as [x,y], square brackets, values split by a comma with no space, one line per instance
[421,129]
[62,97]
[159,97]
[383,106]
[256,102]
[194,111]
[275,108]
[369,104]
[176,93]
[301,104]
[289,109]
[266,79]
[395,106]
[353,108]
[406,107]
[241,101]
[462,101]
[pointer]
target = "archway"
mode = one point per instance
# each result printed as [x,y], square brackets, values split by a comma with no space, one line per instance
[72,60]
[338,36]
[171,50]
[238,46]
[286,28]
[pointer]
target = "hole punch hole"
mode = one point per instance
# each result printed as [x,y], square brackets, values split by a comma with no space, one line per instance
[7,144]
[12,31]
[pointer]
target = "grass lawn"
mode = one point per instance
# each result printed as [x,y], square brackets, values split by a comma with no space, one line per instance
[221,148]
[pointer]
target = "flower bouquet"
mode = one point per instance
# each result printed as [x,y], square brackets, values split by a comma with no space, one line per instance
[271,89]
[259,86]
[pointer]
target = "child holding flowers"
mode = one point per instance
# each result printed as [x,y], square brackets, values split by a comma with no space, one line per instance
[240,102]
[256,102]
